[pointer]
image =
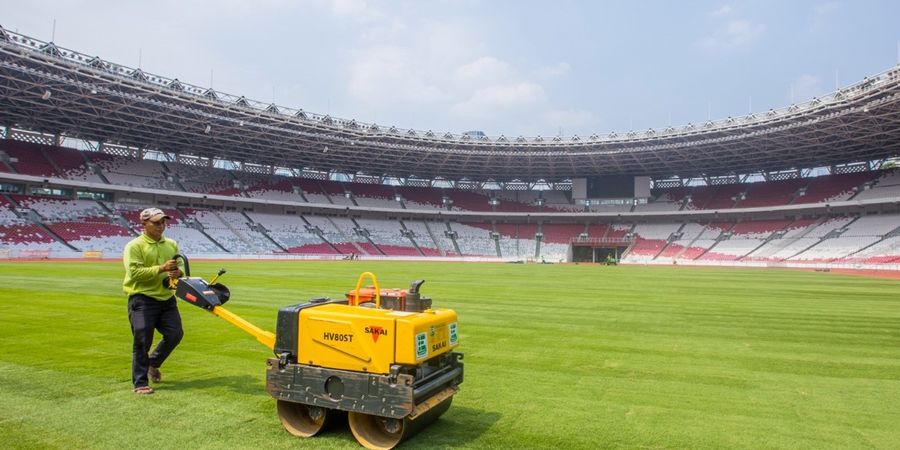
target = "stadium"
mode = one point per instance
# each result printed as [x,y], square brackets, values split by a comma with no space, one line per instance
[281,194]
[140,139]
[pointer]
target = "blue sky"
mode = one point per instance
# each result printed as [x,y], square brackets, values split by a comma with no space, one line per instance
[505,67]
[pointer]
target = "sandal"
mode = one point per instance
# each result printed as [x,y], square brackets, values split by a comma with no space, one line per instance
[144,390]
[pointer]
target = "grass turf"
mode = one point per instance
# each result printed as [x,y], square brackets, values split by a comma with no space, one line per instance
[556,356]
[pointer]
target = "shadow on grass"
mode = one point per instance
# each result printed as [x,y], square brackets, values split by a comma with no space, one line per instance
[460,425]
[241,384]
[457,427]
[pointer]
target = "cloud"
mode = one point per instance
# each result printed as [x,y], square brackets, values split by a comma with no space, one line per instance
[822,14]
[553,71]
[735,33]
[444,67]
[806,87]
[359,10]
[571,118]
[490,101]
[723,10]
[826,8]
[390,73]
[485,68]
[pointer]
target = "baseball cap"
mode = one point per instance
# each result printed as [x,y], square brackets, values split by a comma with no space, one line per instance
[153,214]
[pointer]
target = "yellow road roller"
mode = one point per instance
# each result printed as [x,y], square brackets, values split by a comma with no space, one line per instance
[382,357]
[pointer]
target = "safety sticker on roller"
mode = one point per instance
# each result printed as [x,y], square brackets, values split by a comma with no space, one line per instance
[421,345]
[453,338]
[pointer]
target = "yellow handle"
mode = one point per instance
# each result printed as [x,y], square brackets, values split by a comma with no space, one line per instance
[264,337]
[377,289]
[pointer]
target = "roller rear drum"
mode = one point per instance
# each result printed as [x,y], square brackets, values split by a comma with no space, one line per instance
[383,433]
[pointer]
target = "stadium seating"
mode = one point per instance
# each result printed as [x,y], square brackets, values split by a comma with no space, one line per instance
[715,197]
[664,202]
[28,158]
[71,164]
[886,186]
[772,193]
[560,233]
[94,233]
[373,195]
[421,198]
[231,230]
[597,231]
[559,201]
[205,180]
[57,209]
[137,173]
[288,231]
[831,188]
[85,224]
[650,240]
[474,239]
[314,249]
[528,199]
[618,231]
[7,215]
[423,236]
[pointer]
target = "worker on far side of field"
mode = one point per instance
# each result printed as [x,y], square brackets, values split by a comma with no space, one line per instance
[149,261]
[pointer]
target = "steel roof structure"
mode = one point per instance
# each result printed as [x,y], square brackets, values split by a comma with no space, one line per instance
[47,88]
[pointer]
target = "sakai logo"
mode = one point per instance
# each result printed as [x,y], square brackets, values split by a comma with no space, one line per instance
[376,331]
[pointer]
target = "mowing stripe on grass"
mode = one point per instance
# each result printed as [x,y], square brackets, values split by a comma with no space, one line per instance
[574,356]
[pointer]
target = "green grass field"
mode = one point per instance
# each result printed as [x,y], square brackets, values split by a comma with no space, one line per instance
[556,356]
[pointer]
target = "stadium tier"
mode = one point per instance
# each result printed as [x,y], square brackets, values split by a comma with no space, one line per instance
[654,230]
[811,183]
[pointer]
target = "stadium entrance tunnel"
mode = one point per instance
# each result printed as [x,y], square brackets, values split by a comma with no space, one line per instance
[593,253]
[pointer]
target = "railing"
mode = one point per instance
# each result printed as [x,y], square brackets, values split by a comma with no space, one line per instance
[600,241]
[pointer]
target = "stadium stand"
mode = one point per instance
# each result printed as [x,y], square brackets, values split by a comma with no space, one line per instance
[137,173]
[832,188]
[78,225]
[772,193]
[28,158]
[885,187]
[488,197]
[474,238]
[421,198]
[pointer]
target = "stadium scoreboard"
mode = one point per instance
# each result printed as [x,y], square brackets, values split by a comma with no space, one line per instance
[611,187]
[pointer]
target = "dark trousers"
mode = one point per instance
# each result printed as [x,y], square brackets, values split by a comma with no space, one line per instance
[147,314]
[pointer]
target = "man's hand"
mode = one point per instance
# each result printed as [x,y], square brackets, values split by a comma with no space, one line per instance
[169,266]
[175,273]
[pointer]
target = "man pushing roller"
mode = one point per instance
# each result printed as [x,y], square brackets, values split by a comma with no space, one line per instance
[149,261]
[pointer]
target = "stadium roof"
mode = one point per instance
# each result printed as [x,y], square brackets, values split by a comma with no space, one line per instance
[48,88]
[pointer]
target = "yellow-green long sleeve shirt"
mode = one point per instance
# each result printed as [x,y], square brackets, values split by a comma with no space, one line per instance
[142,258]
